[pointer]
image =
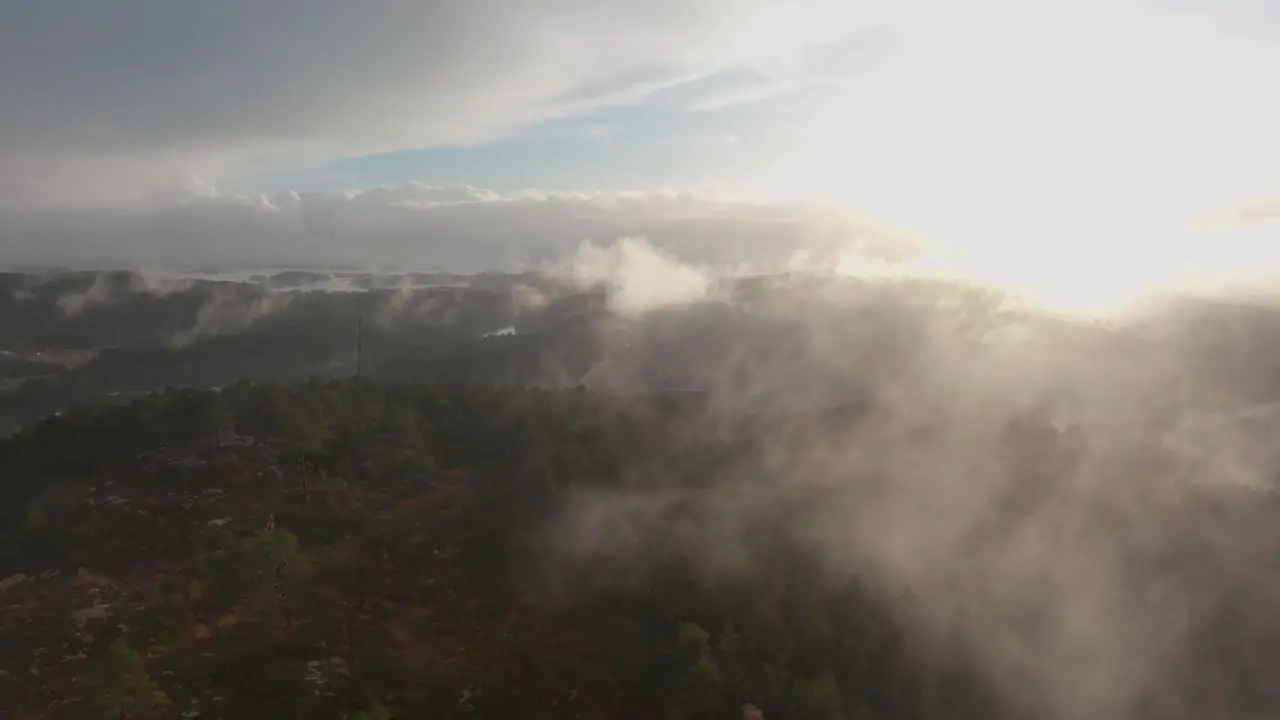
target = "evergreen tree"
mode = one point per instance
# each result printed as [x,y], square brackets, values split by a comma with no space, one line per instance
[119,686]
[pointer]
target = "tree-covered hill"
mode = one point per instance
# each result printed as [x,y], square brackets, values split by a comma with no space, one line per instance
[839,499]
[333,549]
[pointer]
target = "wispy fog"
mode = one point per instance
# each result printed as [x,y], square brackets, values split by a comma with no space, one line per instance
[1029,480]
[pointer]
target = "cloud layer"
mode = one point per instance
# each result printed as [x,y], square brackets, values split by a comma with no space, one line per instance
[989,128]
[458,228]
[145,88]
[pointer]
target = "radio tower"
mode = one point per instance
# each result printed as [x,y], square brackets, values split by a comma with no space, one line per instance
[360,345]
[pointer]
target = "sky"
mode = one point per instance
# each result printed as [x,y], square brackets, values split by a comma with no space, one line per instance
[1063,144]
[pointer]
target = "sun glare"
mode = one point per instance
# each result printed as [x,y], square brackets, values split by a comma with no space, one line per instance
[1028,164]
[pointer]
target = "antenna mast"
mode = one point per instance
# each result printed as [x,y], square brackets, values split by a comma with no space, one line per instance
[360,345]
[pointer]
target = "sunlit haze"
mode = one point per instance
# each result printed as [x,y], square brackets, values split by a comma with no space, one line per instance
[1069,151]
[1061,149]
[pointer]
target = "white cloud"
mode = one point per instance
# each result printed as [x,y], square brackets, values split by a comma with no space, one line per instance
[640,277]
[104,96]
[819,67]
[1239,215]
[759,92]
[459,228]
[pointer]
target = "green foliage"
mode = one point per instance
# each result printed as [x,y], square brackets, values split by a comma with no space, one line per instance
[815,698]
[428,507]
[275,546]
[374,711]
[118,684]
[194,417]
[699,683]
[301,431]
[36,516]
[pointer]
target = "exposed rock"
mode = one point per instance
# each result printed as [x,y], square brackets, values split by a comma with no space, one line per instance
[11,581]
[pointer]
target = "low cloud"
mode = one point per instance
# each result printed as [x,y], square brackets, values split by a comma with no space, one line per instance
[640,277]
[1077,506]
[232,309]
[1239,215]
[459,228]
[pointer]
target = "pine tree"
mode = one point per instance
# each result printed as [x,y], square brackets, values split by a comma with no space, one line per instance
[119,686]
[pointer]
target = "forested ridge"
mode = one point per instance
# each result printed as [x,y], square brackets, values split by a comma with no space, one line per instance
[844,499]
[331,549]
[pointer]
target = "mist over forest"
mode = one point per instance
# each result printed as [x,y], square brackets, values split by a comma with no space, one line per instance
[825,495]
[698,360]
